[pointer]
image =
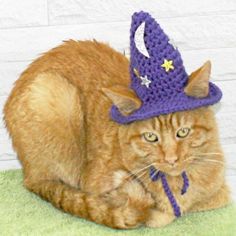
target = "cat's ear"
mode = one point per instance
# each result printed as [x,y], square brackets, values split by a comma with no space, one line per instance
[198,82]
[123,98]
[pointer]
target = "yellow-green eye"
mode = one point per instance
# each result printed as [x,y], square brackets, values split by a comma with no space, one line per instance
[183,132]
[150,137]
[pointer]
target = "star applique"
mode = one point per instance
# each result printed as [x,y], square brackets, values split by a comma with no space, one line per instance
[145,81]
[168,65]
[172,42]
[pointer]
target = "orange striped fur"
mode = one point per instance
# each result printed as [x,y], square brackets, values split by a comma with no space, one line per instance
[74,156]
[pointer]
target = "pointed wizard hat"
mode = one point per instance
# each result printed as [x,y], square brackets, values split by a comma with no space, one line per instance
[158,76]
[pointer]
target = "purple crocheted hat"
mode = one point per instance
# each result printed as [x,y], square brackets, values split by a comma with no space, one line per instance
[160,76]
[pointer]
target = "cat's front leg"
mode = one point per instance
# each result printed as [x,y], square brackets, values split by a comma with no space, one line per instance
[159,219]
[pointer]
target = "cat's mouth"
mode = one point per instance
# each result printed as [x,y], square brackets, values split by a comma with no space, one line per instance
[172,170]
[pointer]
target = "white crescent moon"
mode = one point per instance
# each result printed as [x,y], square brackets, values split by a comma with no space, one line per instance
[139,40]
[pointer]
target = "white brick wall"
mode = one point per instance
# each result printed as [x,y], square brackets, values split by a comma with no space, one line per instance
[202,30]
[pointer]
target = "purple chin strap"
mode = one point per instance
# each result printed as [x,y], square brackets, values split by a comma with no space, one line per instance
[155,175]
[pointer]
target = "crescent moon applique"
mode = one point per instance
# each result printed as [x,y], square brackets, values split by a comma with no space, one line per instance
[139,40]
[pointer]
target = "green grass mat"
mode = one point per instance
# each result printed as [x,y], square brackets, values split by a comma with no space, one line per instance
[23,213]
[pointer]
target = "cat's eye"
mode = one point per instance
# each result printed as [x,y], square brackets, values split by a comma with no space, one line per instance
[150,137]
[183,132]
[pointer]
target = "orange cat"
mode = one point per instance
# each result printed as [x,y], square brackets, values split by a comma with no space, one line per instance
[74,156]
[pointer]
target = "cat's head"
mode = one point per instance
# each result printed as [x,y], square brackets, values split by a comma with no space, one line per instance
[170,142]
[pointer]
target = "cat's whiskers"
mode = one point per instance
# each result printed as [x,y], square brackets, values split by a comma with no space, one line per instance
[212,163]
[209,153]
[202,161]
[144,178]
[190,158]
[210,160]
[144,168]
[138,171]
[200,158]
[141,175]
[203,157]
[147,180]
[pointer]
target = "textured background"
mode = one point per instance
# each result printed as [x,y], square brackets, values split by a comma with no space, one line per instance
[202,30]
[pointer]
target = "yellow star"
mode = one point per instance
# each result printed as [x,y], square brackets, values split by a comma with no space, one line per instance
[167,65]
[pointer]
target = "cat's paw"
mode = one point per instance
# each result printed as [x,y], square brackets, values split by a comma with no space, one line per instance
[126,218]
[130,204]
[158,219]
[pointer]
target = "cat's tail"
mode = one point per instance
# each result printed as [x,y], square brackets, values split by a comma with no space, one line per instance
[93,207]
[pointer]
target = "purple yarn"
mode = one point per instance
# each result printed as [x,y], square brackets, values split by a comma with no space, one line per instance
[170,196]
[165,94]
[155,175]
[186,183]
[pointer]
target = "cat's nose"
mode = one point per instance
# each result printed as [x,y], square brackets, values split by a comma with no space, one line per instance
[171,159]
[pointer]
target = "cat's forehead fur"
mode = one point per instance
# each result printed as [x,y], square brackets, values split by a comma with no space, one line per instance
[175,120]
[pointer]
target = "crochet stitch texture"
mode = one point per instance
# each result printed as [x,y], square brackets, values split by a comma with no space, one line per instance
[163,67]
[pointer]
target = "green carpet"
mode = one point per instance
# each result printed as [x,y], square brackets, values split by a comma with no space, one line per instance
[23,213]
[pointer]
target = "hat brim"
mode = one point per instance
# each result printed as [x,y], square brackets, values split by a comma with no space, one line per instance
[179,102]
